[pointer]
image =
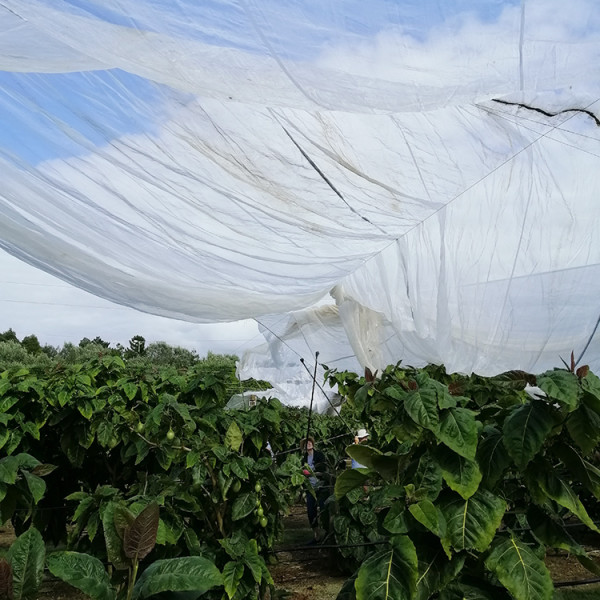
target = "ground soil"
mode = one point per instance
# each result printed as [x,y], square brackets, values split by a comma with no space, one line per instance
[302,574]
[305,574]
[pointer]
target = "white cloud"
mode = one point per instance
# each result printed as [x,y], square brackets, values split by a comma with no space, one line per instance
[468,53]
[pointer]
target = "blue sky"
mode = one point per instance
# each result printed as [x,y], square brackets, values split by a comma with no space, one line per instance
[57,115]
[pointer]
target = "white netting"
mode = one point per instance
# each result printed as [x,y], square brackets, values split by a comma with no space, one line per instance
[233,159]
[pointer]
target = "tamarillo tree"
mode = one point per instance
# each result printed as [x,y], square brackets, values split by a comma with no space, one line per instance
[116,438]
[467,482]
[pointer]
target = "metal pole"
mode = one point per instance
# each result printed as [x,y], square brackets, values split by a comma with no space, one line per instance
[312,396]
[328,400]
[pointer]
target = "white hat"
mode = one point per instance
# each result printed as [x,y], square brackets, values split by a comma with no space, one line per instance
[362,433]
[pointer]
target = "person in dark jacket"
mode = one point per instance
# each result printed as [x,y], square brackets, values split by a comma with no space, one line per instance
[315,469]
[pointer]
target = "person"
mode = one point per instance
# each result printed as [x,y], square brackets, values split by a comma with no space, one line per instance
[362,435]
[316,467]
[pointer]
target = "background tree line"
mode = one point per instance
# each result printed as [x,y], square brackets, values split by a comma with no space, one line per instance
[29,353]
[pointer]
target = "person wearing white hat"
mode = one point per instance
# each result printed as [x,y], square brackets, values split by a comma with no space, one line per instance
[362,435]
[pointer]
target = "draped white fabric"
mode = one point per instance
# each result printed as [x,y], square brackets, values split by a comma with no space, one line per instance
[435,167]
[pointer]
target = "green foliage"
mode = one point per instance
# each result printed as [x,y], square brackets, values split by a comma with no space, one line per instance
[467,480]
[31,344]
[9,336]
[13,355]
[518,568]
[162,354]
[26,558]
[188,574]
[390,574]
[22,487]
[84,572]
[120,438]
[130,539]
[480,477]
[137,346]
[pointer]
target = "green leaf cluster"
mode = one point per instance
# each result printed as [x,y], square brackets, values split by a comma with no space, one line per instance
[477,476]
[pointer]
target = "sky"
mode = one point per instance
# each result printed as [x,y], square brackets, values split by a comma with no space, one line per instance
[34,302]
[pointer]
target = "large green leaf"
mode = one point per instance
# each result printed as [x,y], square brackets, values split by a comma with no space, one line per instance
[422,406]
[492,456]
[9,467]
[461,474]
[483,591]
[84,572]
[395,520]
[26,556]
[112,538]
[519,570]
[584,471]
[388,465]
[583,425]
[105,433]
[444,397]
[239,468]
[255,563]
[552,533]
[525,430]
[390,574]
[122,517]
[36,485]
[458,431]
[436,571]
[591,383]
[562,386]
[363,454]
[4,436]
[472,523]
[233,437]
[428,478]
[349,480]
[430,516]
[556,488]
[232,573]
[243,505]
[190,573]
[26,461]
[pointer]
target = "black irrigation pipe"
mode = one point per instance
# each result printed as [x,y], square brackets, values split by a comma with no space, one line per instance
[43,508]
[313,547]
[327,546]
[557,584]
[576,582]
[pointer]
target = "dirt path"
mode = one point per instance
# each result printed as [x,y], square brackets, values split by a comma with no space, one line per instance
[305,574]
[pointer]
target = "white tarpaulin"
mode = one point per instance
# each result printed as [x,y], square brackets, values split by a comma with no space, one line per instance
[431,168]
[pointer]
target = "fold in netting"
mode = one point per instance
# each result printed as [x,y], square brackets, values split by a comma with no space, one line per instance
[407,180]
